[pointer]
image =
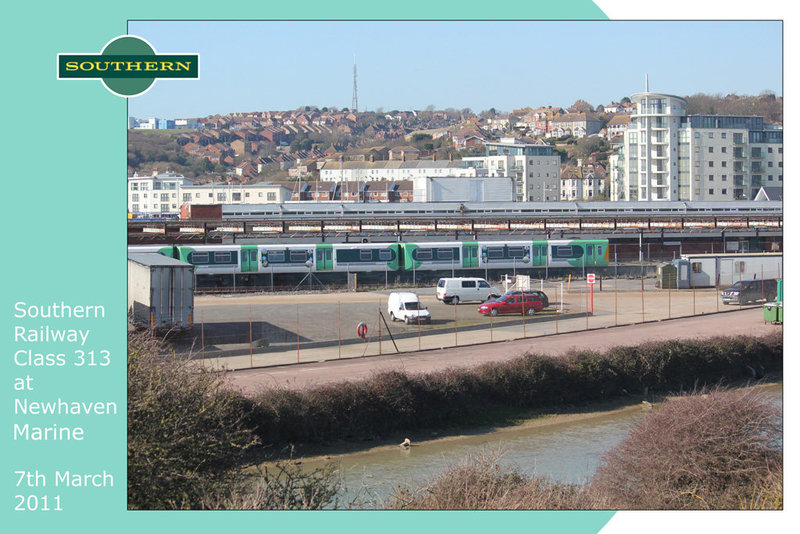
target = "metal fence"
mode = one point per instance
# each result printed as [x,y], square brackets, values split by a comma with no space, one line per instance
[256,330]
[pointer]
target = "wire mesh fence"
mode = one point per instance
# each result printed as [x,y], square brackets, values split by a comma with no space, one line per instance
[265,329]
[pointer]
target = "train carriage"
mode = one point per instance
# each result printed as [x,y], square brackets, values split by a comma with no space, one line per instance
[283,258]
[505,254]
[434,256]
[577,252]
[355,257]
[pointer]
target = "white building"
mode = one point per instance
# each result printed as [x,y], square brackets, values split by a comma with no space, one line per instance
[156,195]
[392,170]
[535,168]
[667,155]
[463,189]
[222,193]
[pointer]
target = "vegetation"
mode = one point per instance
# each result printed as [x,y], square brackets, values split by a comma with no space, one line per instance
[714,450]
[393,402]
[187,435]
[765,105]
[190,438]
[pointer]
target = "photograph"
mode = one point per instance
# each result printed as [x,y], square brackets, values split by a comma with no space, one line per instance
[420,268]
[457,276]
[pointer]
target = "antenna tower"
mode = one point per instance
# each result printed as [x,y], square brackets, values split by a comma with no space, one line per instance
[355,87]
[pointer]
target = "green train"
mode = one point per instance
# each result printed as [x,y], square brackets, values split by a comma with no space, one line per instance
[401,256]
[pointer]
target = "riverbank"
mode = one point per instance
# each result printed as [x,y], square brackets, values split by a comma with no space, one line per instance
[393,403]
[513,423]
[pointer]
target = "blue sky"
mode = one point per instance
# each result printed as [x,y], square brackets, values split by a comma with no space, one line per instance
[255,66]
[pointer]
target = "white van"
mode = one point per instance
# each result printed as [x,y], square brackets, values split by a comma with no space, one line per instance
[455,290]
[407,307]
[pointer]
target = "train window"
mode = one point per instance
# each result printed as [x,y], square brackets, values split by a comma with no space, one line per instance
[319,255]
[385,254]
[516,252]
[223,257]
[423,254]
[297,256]
[365,255]
[494,253]
[276,256]
[599,250]
[567,251]
[197,258]
[328,254]
[445,254]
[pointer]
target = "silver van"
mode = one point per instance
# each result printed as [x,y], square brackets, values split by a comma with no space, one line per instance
[455,290]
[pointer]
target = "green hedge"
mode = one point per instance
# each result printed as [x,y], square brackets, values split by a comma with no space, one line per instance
[393,402]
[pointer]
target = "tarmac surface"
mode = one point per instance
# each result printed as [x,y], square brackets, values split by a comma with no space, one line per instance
[746,321]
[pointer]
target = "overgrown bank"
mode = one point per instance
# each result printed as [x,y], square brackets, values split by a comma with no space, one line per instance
[190,437]
[395,402]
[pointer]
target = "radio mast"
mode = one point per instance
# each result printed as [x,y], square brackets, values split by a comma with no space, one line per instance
[354,107]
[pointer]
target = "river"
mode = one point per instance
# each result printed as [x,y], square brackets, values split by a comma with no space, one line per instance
[563,447]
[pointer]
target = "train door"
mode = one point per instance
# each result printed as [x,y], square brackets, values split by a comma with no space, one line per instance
[325,257]
[539,254]
[249,258]
[470,257]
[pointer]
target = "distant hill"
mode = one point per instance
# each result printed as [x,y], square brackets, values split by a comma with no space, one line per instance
[765,105]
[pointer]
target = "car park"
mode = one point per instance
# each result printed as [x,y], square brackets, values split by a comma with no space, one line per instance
[515,303]
[747,291]
[406,306]
[455,290]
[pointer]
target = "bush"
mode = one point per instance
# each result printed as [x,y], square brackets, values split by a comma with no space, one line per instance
[395,402]
[479,483]
[713,450]
[187,435]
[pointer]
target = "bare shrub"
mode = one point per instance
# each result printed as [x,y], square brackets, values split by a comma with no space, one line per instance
[480,483]
[187,433]
[285,486]
[712,450]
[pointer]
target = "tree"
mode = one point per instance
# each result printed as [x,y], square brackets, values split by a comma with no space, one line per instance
[583,106]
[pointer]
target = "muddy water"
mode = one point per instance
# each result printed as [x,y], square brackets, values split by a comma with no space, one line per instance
[566,448]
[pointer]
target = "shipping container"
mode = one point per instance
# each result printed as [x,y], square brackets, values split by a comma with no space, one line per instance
[201,211]
[160,292]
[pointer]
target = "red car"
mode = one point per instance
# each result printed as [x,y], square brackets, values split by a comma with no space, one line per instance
[515,303]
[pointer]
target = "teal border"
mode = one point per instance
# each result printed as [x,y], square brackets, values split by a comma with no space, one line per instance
[64,157]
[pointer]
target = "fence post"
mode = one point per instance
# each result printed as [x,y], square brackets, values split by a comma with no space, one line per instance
[642,275]
[298,332]
[202,338]
[340,329]
[455,321]
[251,337]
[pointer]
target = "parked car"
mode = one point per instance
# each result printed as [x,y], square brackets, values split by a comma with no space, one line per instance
[746,291]
[516,302]
[542,295]
[455,290]
[407,307]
